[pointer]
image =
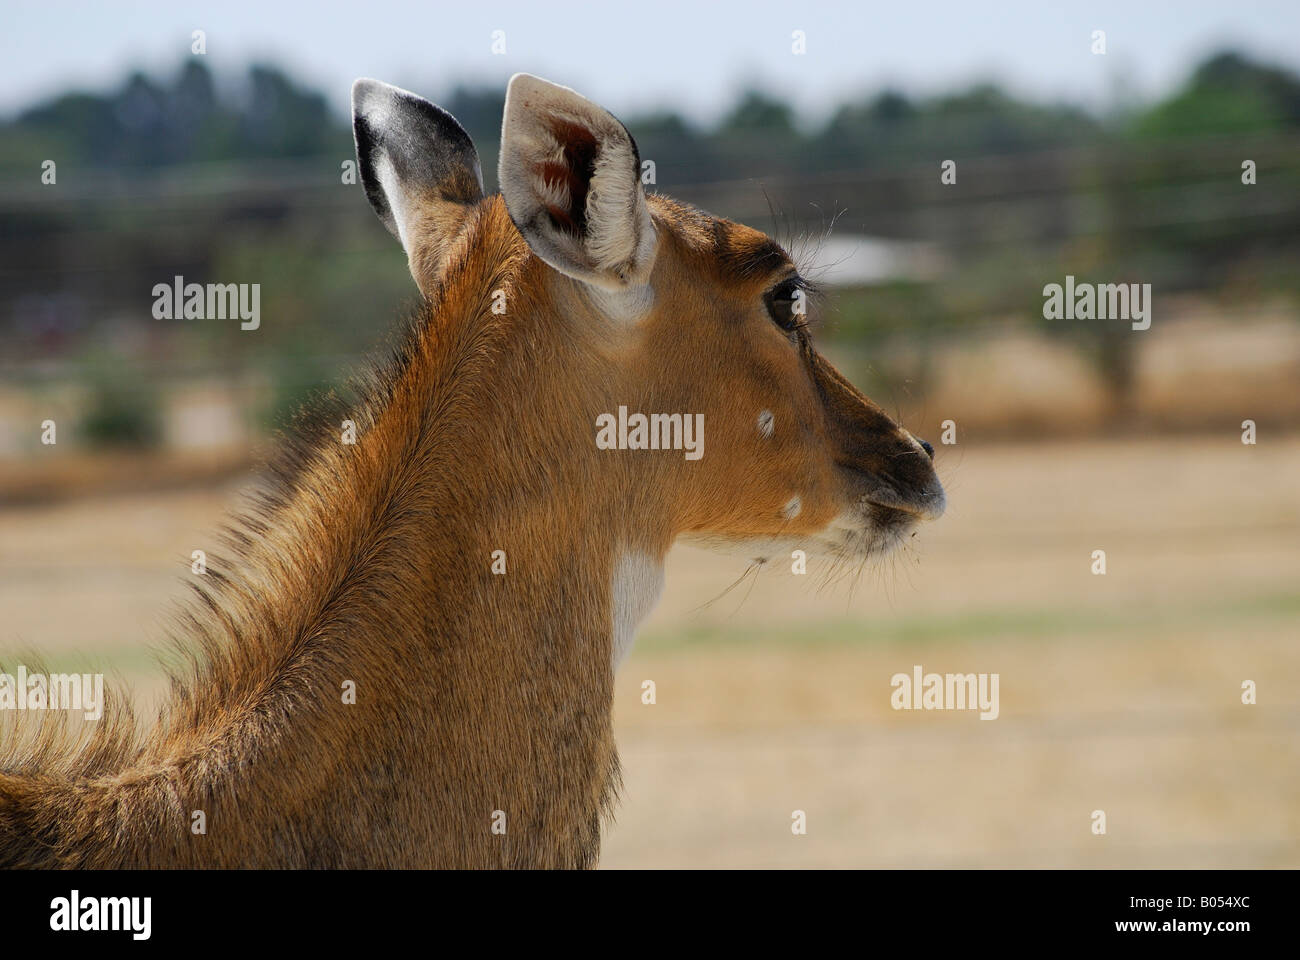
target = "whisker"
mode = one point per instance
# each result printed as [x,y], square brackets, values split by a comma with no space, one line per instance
[753,565]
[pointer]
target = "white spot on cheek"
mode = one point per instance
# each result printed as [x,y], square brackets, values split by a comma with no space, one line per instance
[792,509]
[766,424]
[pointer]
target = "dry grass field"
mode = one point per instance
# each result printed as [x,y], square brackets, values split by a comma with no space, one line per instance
[1119,693]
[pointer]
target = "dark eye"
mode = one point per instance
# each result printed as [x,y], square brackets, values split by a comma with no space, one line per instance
[787,303]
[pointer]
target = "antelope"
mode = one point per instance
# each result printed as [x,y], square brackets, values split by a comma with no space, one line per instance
[474,566]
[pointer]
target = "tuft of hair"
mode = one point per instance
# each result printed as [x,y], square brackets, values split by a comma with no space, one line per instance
[225,658]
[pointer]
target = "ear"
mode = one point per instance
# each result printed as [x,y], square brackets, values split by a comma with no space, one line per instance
[571,178]
[419,170]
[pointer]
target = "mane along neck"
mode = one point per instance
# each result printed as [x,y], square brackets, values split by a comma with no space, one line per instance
[481,700]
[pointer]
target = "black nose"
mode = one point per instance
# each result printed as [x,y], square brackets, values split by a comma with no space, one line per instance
[926,447]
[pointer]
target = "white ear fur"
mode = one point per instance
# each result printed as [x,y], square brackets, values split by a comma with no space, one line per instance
[571,178]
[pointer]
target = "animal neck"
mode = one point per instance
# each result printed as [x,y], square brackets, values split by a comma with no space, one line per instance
[411,660]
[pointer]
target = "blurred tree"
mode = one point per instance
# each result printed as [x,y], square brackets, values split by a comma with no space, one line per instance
[1227,94]
[759,112]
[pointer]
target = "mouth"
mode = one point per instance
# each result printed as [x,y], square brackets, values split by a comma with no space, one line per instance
[883,516]
[879,499]
[871,530]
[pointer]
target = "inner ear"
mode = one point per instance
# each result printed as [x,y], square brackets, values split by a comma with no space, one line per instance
[571,178]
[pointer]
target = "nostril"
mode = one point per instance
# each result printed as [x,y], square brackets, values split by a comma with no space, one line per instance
[926,447]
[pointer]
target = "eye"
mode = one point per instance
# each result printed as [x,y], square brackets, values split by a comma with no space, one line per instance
[787,303]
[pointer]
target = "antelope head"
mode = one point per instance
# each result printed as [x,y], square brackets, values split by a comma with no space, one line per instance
[640,306]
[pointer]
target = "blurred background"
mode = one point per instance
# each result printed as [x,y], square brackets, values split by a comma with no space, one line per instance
[1119,692]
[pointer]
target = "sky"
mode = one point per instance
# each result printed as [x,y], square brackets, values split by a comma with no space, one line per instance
[633,57]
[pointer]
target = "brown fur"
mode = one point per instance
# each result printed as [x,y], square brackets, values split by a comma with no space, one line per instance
[371,563]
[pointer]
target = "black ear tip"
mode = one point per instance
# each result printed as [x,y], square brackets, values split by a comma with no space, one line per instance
[381,106]
[414,143]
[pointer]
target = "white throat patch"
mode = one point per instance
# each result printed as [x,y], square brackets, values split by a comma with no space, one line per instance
[637,584]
